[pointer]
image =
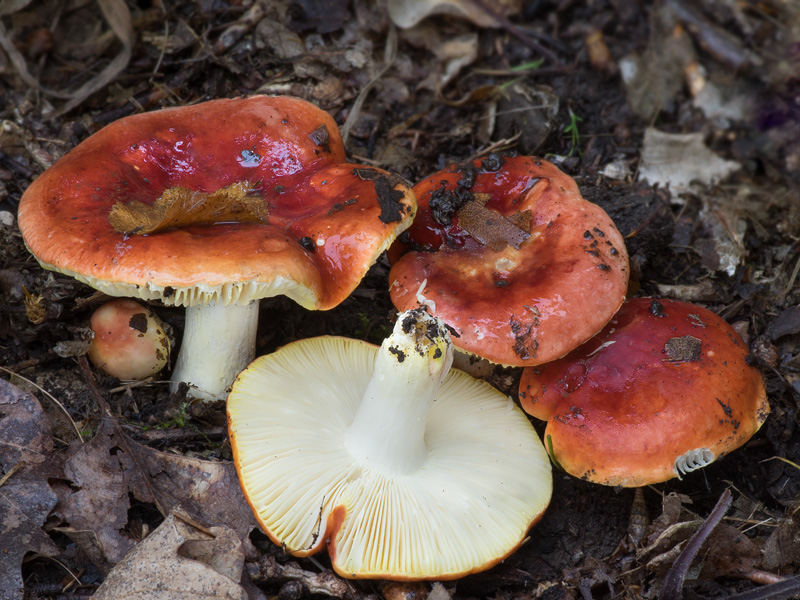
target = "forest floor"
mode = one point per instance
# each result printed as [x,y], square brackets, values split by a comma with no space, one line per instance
[94,465]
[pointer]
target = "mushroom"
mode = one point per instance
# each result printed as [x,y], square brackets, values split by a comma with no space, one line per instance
[129,340]
[406,469]
[506,252]
[666,388]
[212,207]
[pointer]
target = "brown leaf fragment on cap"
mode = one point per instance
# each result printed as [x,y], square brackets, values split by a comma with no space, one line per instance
[389,198]
[489,227]
[181,207]
[686,348]
[522,220]
[321,137]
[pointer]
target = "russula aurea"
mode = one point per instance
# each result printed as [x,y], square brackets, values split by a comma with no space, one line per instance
[664,389]
[405,469]
[212,207]
[129,340]
[508,253]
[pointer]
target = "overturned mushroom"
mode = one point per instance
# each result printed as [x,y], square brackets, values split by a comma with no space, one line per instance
[212,207]
[404,468]
[664,389]
[506,252]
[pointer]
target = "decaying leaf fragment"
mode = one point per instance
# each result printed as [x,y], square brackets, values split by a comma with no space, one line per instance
[96,506]
[102,475]
[156,568]
[677,160]
[181,207]
[407,13]
[26,463]
[492,229]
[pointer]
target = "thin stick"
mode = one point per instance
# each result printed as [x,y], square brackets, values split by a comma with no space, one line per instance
[671,588]
[49,395]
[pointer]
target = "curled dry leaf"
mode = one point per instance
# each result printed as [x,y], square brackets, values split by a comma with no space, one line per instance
[485,13]
[26,462]
[156,569]
[206,489]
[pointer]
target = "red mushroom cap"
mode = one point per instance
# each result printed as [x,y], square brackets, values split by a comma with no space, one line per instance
[665,388]
[513,258]
[129,340]
[321,222]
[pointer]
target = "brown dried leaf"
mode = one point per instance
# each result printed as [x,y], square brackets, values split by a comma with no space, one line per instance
[155,569]
[782,547]
[97,513]
[181,207]
[35,308]
[728,553]
[205,489]
[407,13]
[27,459]
[489,227]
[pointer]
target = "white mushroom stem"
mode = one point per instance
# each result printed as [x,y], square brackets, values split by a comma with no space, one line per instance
[218,342]
[387,433]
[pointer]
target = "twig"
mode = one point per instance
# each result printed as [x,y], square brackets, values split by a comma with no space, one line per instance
[10,472]
[49,395]
[789,588]
[673,582]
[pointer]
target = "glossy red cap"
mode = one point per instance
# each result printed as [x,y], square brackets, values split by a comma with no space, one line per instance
[327,220]
[664,389]
[513,258]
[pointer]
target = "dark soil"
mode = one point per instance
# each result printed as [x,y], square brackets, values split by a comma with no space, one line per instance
[413,123]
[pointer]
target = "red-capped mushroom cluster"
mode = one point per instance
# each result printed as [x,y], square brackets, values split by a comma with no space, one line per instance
[526,271]
[217,205]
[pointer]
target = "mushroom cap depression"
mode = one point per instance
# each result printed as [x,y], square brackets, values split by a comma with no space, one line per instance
[664,389]
[456,500]
[224,201]
[508,253]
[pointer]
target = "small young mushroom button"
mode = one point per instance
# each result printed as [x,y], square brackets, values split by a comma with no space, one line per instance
[129,340]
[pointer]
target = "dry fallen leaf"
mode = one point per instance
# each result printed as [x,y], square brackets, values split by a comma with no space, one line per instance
[677,160]
[27,460]
[654,78]
[181,207]
[492,229]
[102,475]
[97,511]
[208,490]
[156,569]
[407,13]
